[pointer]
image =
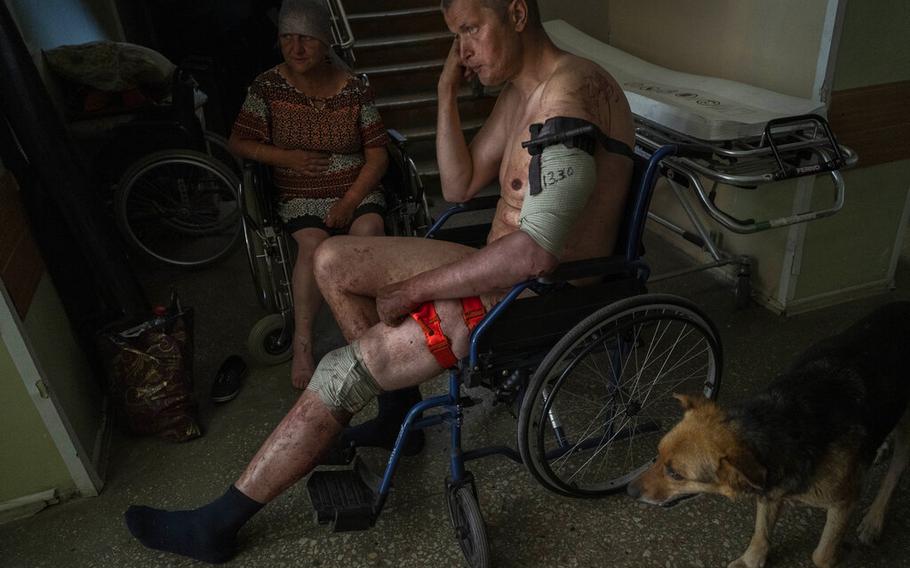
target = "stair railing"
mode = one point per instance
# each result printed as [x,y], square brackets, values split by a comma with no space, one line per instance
[341,30]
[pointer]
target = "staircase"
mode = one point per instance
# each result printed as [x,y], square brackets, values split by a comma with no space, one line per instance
[401,45]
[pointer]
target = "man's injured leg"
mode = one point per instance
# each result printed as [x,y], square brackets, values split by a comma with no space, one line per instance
[349,385]
[340,387]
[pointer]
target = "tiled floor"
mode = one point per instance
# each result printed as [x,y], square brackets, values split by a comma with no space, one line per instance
[528,526]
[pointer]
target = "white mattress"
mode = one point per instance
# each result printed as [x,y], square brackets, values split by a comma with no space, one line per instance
[703,107]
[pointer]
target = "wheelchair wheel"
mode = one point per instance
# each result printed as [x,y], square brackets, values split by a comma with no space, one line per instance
[179,207]
[216,146]
[260,239]
[409,218]
[264,342]
[470,529]
[601,399]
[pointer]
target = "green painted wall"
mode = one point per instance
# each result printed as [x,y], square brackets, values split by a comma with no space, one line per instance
[589,16]
[875,45]
[856,246]
[77,391]
[29,460]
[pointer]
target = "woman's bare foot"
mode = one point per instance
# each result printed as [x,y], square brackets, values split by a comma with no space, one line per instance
[302,366]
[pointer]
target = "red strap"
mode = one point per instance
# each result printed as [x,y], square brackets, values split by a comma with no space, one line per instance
[428,320]
[473,310]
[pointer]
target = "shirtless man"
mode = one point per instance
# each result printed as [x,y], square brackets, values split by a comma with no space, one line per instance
[502,42]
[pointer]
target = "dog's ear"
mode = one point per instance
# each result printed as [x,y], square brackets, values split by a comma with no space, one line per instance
[690,402]
[741,472]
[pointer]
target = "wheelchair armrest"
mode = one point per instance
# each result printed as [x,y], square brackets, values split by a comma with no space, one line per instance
[397,138]
[476,204]
[605,266]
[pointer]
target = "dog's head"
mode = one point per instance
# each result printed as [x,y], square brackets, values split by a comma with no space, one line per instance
[701,454]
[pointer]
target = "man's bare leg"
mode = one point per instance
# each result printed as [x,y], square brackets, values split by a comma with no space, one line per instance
[351,294]
[379,261]
[293,449]
[395,357]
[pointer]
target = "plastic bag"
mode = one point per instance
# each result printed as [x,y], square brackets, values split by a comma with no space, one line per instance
[150,374]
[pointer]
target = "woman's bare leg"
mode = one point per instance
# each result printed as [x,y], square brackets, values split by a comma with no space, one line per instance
[306,303]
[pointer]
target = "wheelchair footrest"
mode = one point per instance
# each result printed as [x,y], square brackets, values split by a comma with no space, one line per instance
[342,498]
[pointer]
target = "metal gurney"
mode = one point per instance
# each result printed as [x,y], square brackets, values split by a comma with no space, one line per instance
[751,137]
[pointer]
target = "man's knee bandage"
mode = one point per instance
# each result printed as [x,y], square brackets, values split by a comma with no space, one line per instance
[567,176]
[343,382]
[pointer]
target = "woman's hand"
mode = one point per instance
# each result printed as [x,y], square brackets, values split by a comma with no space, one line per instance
[340,214]
[306,162]
[453,72]
[393,303]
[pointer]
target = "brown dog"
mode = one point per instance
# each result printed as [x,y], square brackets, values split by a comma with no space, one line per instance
[810,437]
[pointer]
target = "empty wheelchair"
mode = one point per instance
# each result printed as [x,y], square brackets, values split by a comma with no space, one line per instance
[591,369]
[267,244]
[175,184]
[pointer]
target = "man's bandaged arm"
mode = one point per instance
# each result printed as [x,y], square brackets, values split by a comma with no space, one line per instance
[567,177]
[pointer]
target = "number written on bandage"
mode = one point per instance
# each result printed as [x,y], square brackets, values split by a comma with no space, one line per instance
[553,177]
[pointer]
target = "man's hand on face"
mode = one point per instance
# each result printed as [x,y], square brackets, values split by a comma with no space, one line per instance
[393,304]
[454,72]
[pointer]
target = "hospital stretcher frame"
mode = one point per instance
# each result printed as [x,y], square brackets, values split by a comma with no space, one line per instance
[788,148]
[749,137]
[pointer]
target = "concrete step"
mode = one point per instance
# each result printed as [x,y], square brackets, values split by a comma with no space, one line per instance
[422,139]
[384,23]
[360,6]
[429,174]
[410,48]
[398,79]
[419,109]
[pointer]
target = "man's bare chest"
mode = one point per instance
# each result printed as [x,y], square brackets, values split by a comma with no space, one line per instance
[513,172]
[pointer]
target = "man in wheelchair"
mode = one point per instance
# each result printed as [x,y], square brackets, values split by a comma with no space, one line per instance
[411,303]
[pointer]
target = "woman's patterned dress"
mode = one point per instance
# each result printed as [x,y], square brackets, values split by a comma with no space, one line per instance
[275,112]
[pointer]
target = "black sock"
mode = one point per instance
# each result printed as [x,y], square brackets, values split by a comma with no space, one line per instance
[207,533]
[382,431]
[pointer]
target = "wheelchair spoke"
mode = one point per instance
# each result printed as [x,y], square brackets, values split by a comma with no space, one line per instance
[600,448]
[608,392]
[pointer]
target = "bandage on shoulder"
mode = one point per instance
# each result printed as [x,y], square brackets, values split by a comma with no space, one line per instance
[570,132]
[427,318]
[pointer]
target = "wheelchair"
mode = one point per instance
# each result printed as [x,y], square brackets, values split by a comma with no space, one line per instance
[591,369]
[267,244]
[175,184]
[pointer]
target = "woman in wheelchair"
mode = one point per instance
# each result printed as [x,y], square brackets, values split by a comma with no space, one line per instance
[317,126]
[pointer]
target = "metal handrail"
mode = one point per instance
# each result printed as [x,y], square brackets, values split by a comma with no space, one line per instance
[341,27]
